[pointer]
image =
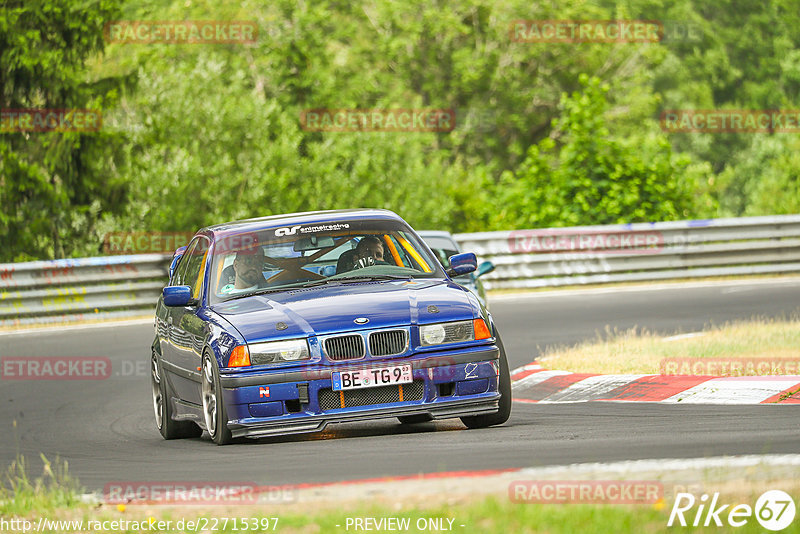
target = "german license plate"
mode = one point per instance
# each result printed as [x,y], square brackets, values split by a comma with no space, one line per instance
[370,378]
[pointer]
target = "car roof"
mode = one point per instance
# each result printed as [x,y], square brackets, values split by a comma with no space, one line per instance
[302,218]
[435,233]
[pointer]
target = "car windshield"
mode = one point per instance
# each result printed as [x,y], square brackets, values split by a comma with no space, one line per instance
[309,255]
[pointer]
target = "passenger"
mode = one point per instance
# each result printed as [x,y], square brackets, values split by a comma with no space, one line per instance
[346,261]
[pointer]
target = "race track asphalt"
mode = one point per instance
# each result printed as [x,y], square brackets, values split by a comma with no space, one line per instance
[105,428]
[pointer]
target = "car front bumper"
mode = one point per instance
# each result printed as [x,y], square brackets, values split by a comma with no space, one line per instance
[446,384]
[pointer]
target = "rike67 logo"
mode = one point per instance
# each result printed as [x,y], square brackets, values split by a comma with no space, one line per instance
[774,510]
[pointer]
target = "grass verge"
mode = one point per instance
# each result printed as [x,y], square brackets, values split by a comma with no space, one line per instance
[484,514]
[56,497]
[21,494]
[641,352]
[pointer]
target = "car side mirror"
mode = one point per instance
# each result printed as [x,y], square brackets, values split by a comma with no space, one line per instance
[462,264]
[176,296]
[484,268]
[176,257]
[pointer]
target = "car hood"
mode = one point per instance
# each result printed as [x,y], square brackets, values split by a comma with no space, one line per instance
[332,309]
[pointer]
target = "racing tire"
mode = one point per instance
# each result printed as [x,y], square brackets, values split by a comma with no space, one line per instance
[162,407]
[501,416]
[214,412]
[414,419]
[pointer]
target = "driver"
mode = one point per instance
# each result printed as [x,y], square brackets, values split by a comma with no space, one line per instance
[247,266]
[369,251]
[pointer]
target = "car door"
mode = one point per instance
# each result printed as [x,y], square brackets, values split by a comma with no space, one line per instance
[186,329]
[164,316]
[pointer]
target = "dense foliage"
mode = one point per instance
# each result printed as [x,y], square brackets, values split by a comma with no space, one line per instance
[54,186]
[547,134]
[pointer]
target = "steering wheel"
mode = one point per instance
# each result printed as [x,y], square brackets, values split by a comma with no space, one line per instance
[364,262]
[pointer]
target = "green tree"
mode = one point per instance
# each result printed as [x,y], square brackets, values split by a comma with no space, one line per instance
[583,175]
[763,179]
[239,150]
[53,186]
[212,132]
[238,153]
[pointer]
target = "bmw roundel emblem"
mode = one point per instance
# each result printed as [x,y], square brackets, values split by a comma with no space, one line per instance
[361,320]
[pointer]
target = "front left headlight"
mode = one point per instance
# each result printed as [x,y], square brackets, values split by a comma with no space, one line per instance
[289,350]
[454,332]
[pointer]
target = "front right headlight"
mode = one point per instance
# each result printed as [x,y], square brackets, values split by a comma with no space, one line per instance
[289,350]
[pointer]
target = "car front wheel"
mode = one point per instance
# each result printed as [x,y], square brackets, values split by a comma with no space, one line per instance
[216,418]
[162,408]
[504,386]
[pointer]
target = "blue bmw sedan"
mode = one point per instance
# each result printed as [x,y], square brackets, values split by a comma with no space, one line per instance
[287,323]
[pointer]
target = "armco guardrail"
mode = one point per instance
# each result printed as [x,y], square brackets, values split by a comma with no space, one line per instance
[638,252]
[63,290]
[60,290]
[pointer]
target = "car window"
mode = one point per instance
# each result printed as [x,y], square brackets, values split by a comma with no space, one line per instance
[298,256]
[444,247]
[444,255]
[180,270]
[173,281]
[191,268]
[397,252]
